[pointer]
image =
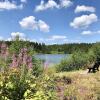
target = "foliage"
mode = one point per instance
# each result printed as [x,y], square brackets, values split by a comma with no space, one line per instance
[80,60]
[24,78]
[49,49]
[96,50]
[76,61]
[37,68]
[44,89]
[69,48]
[12,84]
[17,84]
[16,46]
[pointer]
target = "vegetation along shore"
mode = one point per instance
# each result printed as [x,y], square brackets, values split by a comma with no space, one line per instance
[23,77]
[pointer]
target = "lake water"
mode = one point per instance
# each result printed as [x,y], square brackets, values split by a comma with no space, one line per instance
[51,58]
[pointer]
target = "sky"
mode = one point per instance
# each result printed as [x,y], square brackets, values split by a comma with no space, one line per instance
[50,21]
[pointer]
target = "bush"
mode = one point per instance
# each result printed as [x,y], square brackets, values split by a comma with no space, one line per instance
[96,50]
[13,84]
[37,68]
[80,60]
[44,89]
[20,84]
[21,76]
[76,61]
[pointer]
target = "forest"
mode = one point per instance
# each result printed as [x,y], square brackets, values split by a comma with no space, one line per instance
[67,48]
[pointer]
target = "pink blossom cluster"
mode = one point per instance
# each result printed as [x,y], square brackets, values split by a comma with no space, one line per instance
[22,59]
[4,51]
[17,59]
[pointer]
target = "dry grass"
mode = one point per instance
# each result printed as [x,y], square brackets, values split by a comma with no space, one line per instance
[84,86]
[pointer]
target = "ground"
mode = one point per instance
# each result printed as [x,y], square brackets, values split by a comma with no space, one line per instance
[84,86]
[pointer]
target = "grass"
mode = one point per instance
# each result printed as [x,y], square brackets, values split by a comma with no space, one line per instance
[84,86]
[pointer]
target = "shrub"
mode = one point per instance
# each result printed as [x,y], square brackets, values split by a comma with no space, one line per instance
[80,60]
[20,84]
[37,68]
[76,61]
[19,81]
[96,50]
[13,84]
[44,89]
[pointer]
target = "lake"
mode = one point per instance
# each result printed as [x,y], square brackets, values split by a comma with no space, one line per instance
[51,58]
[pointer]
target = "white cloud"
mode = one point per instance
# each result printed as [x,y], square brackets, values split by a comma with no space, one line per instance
[58,37]
[23,1]
[65,3]
[52,4]
[29,23]
[90,32]
[21,35]
[84,8]
[44,6]
[54,38]
[32,24]
[98,32]
[87,33]
[7,5]
[83,21]
[1,38]
[43,26]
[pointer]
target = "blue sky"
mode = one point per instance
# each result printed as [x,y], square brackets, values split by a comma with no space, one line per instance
[50,21]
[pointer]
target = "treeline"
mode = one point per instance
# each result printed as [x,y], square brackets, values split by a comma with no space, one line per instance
[70,48]
[37,47]
[56,48]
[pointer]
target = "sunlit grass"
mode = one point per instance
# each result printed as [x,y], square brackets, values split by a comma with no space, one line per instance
[84,86]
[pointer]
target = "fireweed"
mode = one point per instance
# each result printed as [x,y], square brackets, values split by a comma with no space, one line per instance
[4,51]
[18,83]
[22,59]
[17,60]
[3,56]
[13,77]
